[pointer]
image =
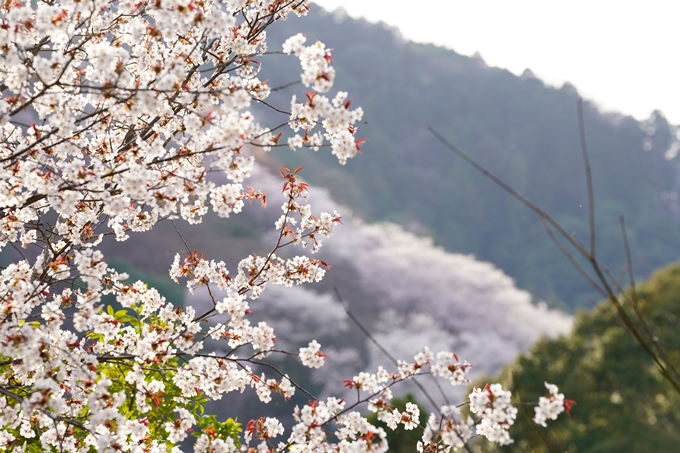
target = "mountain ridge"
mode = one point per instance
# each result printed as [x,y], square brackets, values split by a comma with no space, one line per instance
[522,130]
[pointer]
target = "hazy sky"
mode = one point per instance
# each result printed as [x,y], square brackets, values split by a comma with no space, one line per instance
[624,55]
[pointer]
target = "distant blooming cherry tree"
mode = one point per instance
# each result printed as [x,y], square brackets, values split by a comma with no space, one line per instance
[112,116]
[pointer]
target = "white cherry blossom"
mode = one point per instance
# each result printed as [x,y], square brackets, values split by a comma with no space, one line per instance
[139,114]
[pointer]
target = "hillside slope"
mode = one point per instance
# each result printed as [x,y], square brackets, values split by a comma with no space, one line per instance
[521,129]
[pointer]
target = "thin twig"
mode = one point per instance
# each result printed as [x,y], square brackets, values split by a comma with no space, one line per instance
[362,328]
[180,236]
[354,319]
[629,261]
[282,87]
[541,213]
[589,176]
[655,352]
[571,259]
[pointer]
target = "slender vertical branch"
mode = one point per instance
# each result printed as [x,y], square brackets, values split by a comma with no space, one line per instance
[571,259]
[589,176]
[643,336]
[629,261]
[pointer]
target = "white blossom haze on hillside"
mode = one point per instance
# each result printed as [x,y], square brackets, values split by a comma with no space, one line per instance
[415,290]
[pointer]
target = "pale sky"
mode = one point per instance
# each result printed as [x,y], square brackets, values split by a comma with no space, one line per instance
[624,55]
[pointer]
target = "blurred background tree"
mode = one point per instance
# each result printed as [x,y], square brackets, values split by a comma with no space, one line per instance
[623,402]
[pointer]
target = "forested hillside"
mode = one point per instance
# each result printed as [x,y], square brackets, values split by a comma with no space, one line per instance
[622,401]
[521,129]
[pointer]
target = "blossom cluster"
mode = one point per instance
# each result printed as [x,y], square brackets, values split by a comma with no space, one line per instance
[334,115]
[311,356]
[448,432]
[492,406]
[114,116]
[551,406]
[137,103]
[409,417]
[354,432]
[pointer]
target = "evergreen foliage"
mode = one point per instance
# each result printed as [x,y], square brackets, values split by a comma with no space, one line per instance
[623,403]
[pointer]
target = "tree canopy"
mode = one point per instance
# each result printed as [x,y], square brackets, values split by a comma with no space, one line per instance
[622,401]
